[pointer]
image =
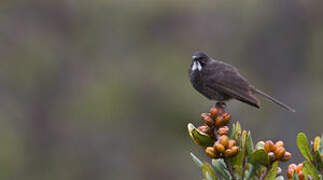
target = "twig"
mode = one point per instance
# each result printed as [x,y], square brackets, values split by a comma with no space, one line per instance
[229,168]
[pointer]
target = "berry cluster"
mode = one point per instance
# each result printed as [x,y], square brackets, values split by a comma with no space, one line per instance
[299,172]
[277,151]
[215,125]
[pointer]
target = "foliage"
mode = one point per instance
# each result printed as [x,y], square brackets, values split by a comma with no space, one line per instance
[251,161]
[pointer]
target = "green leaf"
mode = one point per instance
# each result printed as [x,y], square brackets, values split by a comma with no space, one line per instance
[309,169]
[208,176]
[279,178]
[208,171]
[221,168]
[295,176]
[273,172]
[249,144]
[199,137]
[321,146]
[317,143]
[238,131]
[318,160]
[243,140]
[233,131]
[197,161]
[252,170]
[303,146]
[237,160]
[259,156]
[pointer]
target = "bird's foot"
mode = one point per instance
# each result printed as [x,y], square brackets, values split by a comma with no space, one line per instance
[221,104]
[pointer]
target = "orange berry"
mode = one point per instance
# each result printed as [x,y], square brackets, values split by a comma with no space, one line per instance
[268,145]
[228,153]
[235,150]
[292,166]
[290,173]
[299,168]
[210,152]
[231,143]
[213,112]
[219,121]
[279,143]
[226,117]
[224,140]
[287,156]
[279,152]
[219,147]
[209,121]
[273,148]
[205,129]
[223,130]
[301,175]
[204,116]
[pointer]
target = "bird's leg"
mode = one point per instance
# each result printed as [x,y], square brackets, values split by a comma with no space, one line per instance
[221,104]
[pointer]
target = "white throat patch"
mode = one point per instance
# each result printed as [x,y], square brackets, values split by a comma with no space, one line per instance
[196,65]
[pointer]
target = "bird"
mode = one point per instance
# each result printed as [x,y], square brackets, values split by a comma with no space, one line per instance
[219,81]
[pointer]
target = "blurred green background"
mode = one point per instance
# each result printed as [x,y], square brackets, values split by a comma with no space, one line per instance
[99,89]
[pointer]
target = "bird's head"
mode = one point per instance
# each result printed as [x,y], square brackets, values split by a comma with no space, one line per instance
[199,60]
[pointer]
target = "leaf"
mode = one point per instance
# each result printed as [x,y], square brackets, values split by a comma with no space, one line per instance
[199,137]
[309,169]
[318,160]
[237,160]
[259,156]
[238,131]
[249,144]
[197,161]
[279,178]
[273,172]
[321,146]
[208,171]
[252,170]
[303,146]
[243,144]
[233,131]
[317,143]
[221,168]
[208,176]
[295,176]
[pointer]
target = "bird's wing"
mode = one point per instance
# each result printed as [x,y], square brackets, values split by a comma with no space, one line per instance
[227,79]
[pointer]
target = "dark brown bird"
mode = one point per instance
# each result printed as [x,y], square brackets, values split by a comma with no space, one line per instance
[219,81]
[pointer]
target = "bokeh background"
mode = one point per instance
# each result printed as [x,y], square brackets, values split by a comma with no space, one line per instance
[99,89]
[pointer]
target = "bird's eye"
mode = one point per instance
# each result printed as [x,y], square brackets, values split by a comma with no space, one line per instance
[201,62]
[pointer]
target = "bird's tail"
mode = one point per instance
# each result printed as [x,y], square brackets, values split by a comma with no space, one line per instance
[274,100]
